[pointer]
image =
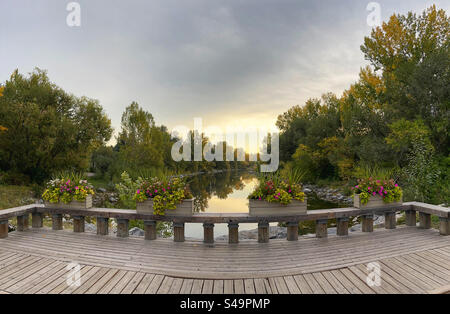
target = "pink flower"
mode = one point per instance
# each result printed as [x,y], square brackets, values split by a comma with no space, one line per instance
[138,191]
[396,185]
[76,188]
[156,191]
[374,193]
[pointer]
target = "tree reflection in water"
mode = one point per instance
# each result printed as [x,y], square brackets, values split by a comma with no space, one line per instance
[205,186]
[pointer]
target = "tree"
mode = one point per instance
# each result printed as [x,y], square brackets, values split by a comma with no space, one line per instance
[412,52]
[139,141]
[48,129]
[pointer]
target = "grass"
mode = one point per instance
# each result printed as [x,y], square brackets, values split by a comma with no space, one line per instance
[14,196]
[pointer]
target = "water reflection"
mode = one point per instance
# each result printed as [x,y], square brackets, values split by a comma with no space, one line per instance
[227,192]
[222,192]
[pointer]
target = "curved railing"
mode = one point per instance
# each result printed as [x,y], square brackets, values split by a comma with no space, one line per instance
[233,220]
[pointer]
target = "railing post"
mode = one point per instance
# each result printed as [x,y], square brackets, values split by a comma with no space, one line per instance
[292,231]
[233,232]
[150,229]
[3,228]
[321,228]
[122,228]
[36,220]
[342,226]
[424,220]
[444,227]
[367,223]
[263,232]
[22,222]
[178,231]
[57,222]
[390,220]
[78,223]
[102,226]
[410,216]
[208,232]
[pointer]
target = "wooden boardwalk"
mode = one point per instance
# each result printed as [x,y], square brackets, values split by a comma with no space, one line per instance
[412,260]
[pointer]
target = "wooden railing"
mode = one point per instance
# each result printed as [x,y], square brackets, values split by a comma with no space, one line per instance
[233,220]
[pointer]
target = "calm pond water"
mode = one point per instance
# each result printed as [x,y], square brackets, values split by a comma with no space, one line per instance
[227,193]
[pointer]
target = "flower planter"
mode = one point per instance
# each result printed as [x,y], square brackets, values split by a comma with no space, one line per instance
[185,208]
[374,202]
[87,203]
[264,208]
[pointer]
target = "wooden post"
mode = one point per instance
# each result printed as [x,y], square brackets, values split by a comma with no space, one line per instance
[178,231]
[208,232]
[424,220]
[102,226]
[390,220]
[410,216]
[3,228]
[36,220]
[233,232]
[367,223]
[444,228]
[321,228]
[150,229]
[78,223]
[263,232]
[342,226]
[292,231]
[22,222]
[57,222]
[122,228]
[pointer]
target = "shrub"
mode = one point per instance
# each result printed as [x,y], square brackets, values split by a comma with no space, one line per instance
[66,190]
[387,189]
[277,189]
[165,193]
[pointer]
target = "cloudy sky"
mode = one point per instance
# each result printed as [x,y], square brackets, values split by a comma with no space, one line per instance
[230,62]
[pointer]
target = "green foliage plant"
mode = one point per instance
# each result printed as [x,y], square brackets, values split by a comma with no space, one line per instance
[275,188]
[387,189]
[67,189]
[166,193]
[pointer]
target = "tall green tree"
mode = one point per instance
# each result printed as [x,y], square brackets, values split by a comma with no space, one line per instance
[47,129]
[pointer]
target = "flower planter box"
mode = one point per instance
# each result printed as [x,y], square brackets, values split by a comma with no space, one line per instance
[374,202]
[264,208]
[87,203]
[185,208]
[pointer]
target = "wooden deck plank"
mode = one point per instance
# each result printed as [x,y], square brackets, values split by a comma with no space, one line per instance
[302,284]
[260,286]
[218,287]
[412,261]
[155,284]
[337,286]
[95,288]
[197,286]
[349,286]
[228,286]
[239,286]
[187,286]
[143,285]
[176,286]
[313,284]
[165,285]
[112,282]
[207,287]
[131,286]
